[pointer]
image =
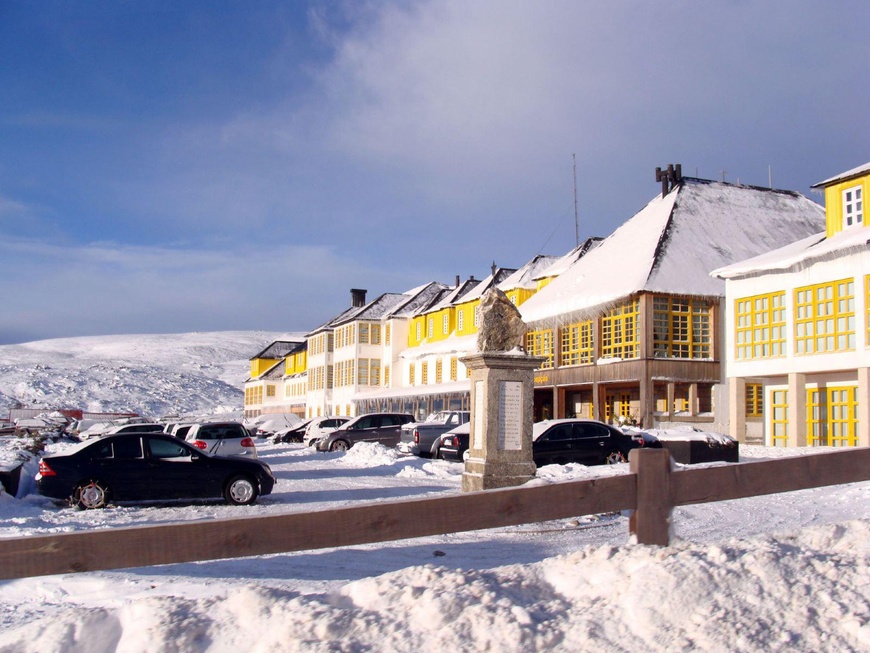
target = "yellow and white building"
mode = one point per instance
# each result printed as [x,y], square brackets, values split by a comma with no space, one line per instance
[798,330]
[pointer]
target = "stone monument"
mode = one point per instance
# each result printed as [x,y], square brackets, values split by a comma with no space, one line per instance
[502,386]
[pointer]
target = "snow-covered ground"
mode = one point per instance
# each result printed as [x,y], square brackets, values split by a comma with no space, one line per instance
[786,572]
[780,573]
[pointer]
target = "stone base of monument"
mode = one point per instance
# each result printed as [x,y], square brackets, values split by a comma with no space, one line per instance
[487,475]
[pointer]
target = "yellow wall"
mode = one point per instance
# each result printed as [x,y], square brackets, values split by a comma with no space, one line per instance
[296,363]
[260,365]
[468,309]
[834,203]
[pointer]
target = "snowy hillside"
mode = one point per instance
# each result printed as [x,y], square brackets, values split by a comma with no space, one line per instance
[152,375]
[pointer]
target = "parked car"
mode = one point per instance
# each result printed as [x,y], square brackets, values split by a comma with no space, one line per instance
[453,445]
[561,441]
[222,439]
[148,466]
[424,438]
[291,434]
[322,426]
[145,427]
[373,427]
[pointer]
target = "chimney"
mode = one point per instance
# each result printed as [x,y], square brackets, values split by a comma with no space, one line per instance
[457,282]
[669,177]
[493,268]
[357,297]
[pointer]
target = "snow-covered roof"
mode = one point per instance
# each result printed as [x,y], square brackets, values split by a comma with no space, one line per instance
[564,262]
[418,299]
[375,309]
[280,348]
[454,345]
[854,172]
[799,255]
[414,390]
[454,295]
[526,275]
[673,243]
[492,280]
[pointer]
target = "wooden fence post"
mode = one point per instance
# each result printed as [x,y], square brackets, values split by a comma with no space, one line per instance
[651,522]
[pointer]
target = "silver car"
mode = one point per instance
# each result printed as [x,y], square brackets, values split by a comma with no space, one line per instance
[222,439]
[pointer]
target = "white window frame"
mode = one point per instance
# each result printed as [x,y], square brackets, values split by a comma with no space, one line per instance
[853,206]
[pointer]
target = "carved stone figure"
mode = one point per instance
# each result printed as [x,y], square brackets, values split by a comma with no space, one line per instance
[501,327]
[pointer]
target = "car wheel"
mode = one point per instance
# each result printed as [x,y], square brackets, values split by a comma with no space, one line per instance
[240,491]
[339,445]
[90,495]
[615,457]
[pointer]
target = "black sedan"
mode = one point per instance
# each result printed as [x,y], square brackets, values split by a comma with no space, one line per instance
[561,441]
[149,466]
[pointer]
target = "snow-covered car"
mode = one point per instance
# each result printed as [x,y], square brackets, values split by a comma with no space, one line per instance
[292,434]
[145,427]
[222,439]
[320,427]
[148,466]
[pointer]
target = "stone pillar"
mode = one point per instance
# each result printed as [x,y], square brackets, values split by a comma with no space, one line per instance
[500,444]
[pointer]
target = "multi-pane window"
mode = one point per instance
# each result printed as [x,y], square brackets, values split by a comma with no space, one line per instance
[376,334]
[460,320]
[364,334]
[760,326]
[362,374]
[577,344]
[387,333]
[270,390]
[424,373]
[779,418]
[620,333]
[825,317]
[411,374]
[540,343]
[445,324]
[853,206]
[454,369]
[625,405]
[439,371]
[754,400]
[681,328]
[832,416]
[430,327]
[386,376]
[375,371]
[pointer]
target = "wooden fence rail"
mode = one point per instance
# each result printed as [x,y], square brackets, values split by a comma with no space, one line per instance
[650,491]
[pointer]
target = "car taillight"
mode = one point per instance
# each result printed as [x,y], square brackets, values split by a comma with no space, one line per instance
[248,442]
[199,444]
[454,441]
[416,436]
[640,441]
[45,470]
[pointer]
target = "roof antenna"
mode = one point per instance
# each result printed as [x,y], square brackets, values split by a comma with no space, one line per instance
[576,222]
[769,176]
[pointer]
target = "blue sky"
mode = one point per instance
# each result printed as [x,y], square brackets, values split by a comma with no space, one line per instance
[195,166]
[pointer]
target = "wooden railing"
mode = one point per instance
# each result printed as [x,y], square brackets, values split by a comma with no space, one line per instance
[651,490]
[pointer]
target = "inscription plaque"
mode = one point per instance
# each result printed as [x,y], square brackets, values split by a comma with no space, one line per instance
[510,405]
[478,415]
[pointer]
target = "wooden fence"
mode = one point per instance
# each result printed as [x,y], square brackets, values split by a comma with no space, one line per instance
[651,490]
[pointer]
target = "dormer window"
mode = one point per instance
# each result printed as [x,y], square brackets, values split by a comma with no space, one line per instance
[853,206]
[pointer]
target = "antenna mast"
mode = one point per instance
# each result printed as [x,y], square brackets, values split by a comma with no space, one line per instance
[576,221]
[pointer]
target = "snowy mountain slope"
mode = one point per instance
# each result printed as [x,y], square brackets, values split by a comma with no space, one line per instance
[152,375]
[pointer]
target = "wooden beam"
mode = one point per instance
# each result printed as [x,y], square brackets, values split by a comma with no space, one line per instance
[142,546]
[651,522]
[722,483]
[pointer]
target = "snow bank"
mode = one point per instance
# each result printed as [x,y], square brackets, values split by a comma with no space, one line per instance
[806,592]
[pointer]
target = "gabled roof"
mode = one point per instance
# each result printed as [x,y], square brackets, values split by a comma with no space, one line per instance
[843,176]
[800,255]
[672,244]
[420,299]
[453,297]
[492,280]
[280,349]
[526,275]
[375,310]
[564,262]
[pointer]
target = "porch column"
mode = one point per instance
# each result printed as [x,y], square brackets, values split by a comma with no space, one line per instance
[863,407]
[647,397]
[737,408]
[797,410]
[671,394]
[693,399]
